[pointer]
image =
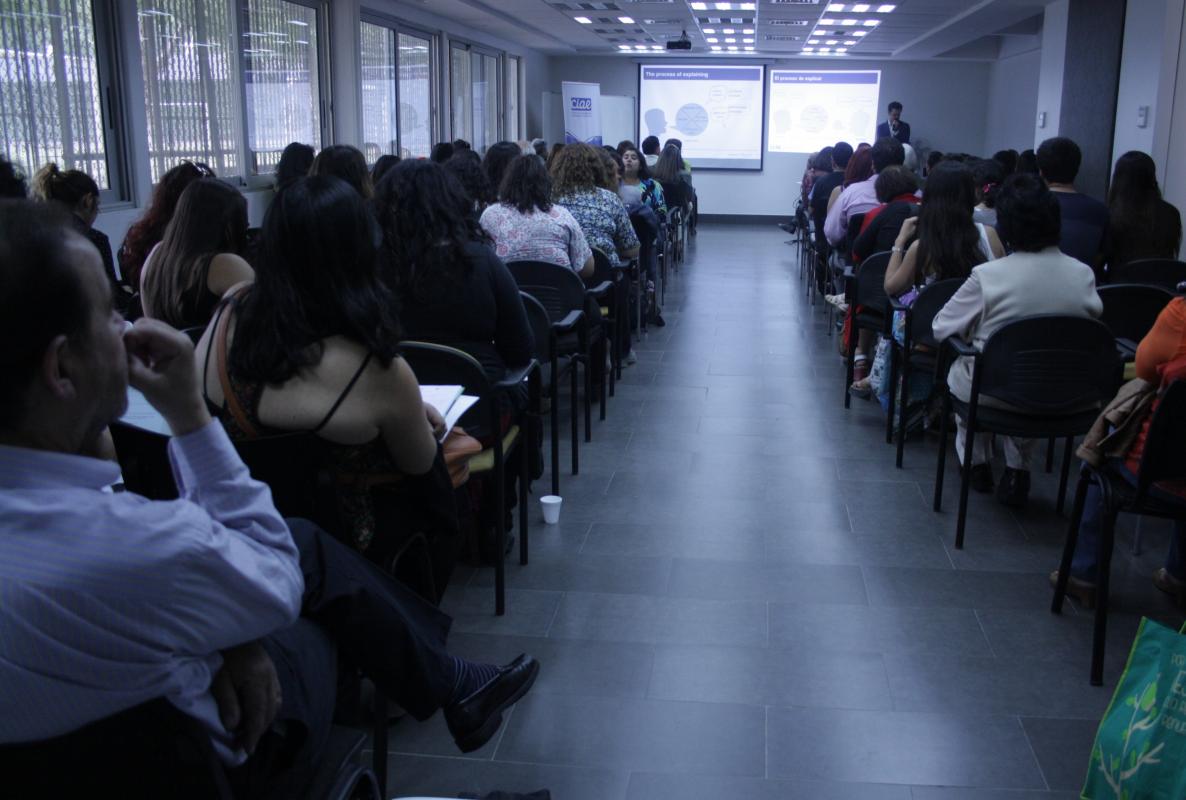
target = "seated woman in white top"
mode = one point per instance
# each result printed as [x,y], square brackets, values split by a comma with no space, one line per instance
[526,226]
[948,244]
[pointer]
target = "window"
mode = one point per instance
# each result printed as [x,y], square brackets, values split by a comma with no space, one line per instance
[397,87]
[51,105]
[476,96]
[512,120]
[461,81]
[191,91]
[282,84]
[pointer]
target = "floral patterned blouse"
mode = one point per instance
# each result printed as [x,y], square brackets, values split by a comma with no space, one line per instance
[552,236]
[604,220]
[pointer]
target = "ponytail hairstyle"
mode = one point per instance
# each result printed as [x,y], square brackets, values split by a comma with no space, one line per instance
[988,175]
[70,187]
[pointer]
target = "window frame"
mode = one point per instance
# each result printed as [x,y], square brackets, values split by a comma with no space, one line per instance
[398,27]
[518,84]
[321,7]
[476,49]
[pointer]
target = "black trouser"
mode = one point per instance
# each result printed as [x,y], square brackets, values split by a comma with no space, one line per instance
[375,623]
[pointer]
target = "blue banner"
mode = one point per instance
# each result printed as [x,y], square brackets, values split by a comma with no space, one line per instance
[582,112]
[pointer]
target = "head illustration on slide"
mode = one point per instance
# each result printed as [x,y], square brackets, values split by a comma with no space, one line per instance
[656,121]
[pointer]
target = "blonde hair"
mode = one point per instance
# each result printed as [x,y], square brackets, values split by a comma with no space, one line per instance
[69,187]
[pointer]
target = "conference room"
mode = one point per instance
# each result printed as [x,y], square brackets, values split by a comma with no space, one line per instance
[684,399]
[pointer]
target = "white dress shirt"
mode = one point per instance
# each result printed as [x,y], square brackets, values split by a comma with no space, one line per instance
[108,600]
[855,199]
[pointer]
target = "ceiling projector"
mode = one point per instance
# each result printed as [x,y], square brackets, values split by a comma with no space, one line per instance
[682,43]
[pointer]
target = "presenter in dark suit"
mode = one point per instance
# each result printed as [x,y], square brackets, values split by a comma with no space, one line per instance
[894,128]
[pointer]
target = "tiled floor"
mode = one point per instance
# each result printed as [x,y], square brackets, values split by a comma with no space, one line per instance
[745,599]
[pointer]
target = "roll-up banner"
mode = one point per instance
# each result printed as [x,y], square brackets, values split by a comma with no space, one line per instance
[582,112]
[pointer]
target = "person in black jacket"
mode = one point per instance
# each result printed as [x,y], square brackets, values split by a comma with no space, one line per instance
[894,127]
[896,189]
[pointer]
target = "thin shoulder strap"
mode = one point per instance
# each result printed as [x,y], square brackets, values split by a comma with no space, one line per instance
[334,408]
[233,406]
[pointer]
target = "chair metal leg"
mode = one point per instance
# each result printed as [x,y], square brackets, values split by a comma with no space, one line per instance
[965,480]
[604,378]
[850,364]
[500,574]
[526,442]
[1068,550]
[893,396]
[905,380]
[1050,455]
[1066,471]
[1099,637]
[588,404]
[575,413]
[554,396]
[938,501]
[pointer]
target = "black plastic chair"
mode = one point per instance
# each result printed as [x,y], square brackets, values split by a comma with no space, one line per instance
[1130,309]
[610,288]
[1163,459]
[562,293]
[1164,272]
[440,364]
[1053,371]
[552,368]
[905,357]
[866,295]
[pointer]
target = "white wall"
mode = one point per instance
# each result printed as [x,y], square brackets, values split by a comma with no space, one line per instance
[945,106]
[1012,102]
[1173,175]
[1152,36]
[1054,53]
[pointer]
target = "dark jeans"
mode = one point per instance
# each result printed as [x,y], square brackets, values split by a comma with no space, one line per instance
[1085,561]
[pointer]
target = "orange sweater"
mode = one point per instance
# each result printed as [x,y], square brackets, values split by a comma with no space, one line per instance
[1161,359]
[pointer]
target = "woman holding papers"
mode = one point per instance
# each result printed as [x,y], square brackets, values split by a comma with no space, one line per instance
[312,346]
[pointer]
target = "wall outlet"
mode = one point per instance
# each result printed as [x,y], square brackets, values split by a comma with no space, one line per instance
[1041,119]
[1143,116]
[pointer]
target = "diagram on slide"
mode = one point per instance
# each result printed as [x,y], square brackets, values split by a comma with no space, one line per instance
[810,110]
[716,111]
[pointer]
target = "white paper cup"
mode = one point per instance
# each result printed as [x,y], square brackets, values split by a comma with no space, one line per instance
[550,503]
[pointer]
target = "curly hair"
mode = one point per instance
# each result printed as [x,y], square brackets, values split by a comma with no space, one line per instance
[577,168]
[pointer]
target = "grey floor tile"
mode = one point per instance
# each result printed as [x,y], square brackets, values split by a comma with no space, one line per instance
[659,620]
[909,586]
[579,668]
[564,572]
[955,793]
[775,676]
[1063,748]
[529,613]
[883,548]
[658,786]
[675,540]
[692,738]
[901,747]
[862,629]
[787,582]
[450,777]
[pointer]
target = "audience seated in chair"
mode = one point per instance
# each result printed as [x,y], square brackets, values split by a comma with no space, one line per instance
[987,175]
[498,158]
[349,164]
[1161,360]
[1084,219]
[526,226]
[1140,223]
[382,166]
[676,191]
[78,193]
[466,167]
[441,152]
[199,258]
[312,346]
[295,162]
[148,231]
[211,601]
[12,181]
[897,192]
[861,196]
[577,179]
[1035,279]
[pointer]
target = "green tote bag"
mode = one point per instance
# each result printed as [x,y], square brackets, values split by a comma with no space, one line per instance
[1140,748]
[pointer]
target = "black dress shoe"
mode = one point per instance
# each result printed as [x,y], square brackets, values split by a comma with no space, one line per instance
[473,720]
[981,478]
[1014,490]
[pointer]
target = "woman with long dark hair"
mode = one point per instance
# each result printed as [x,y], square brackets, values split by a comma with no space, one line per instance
[1140,223]
[466,166]
[313,345]
[198,259]
[526,226]
[451,287]
[349,164]
[498,157]
[148,231]
[987,176]
[948,242]
[295,162]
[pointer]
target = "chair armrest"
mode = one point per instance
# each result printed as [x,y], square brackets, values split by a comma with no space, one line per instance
[600,290]
[896,305]
[570,322]
[961,347]
[516,376]
[1127,349]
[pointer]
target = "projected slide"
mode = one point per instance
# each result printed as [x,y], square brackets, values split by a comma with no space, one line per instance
[810,110]
[716,111]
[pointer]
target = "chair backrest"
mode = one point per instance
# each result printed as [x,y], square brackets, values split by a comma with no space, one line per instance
[1164,456]
[927,305]
[559,289]
[1164,272]
[1051,364]
[541,327]
[870,283]
[293,467]
[144,461]
[603,270]
[438,364]
[1130,309]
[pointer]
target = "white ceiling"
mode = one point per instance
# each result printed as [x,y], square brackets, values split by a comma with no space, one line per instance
[915,29]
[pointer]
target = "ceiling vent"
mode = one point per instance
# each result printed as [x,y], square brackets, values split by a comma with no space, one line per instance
[793,2]
[788,23]
[782,37]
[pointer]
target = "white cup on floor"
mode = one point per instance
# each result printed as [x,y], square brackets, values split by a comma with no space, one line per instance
[550,503]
